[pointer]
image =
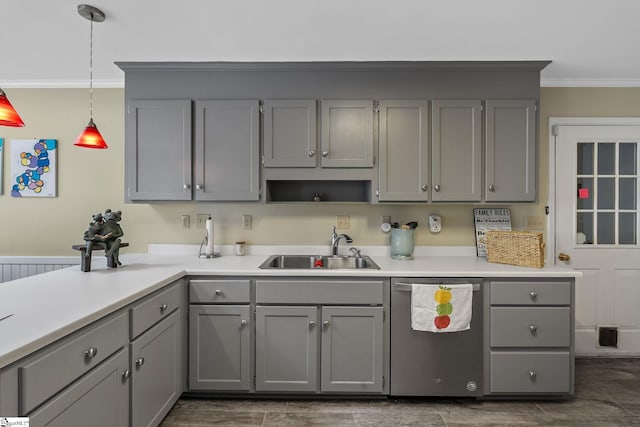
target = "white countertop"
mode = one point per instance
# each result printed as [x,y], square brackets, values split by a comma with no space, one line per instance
[46,307]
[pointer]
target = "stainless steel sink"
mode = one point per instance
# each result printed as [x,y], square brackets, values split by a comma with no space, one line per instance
[318,262]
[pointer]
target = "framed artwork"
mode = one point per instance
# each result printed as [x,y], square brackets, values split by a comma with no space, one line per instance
[33,167]
[1,163]
[486,219]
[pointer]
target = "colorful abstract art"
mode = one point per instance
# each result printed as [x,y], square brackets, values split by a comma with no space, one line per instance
[33,167]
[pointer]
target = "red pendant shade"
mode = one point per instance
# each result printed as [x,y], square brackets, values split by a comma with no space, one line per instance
[91,137]
[8,114]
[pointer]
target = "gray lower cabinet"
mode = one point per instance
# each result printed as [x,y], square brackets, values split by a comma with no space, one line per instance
[158,150]
[227,150]
[219,347]
[351,349]
[403,148]
[531,344]
[100,398]
[456,164]
[156,365]
[510,151]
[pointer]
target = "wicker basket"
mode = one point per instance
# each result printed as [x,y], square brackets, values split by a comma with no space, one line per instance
[521,248]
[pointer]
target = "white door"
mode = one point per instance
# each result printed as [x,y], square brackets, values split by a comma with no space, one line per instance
[597,226]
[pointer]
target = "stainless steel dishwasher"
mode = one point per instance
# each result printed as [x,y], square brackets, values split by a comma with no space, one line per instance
[435,364]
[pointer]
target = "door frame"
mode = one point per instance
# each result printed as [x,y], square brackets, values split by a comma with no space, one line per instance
[551,189]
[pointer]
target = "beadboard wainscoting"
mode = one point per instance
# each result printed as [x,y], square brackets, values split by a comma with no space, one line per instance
[12,268]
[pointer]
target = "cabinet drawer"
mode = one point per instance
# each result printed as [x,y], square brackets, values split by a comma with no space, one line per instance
[319,292]
[46,375]
[543,372]
[530,326]
[155,308]
[531,293]
[219,291]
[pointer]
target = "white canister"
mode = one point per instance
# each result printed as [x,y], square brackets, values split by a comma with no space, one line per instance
[241,248]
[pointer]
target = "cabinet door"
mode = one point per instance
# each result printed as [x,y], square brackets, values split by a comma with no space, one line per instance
[290,133]
[352,349]
[456,157]
[511,151]
[219,346]
[156,364]
[286,348]
[100,398]
[347,134]
[403,151]
[227,150]
[158,150]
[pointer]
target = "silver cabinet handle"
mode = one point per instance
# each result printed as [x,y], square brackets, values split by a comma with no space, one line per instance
[91,353]
[199,186]
[436,187]
[424,187]
[312,153]
[492,187]
[126,374]
[312,323]
[533,295]
[532,374]
[218,291]
[325,153]
[139,362]
[533,329]
[243,322]
[163,308]
[186,186]
[325,324]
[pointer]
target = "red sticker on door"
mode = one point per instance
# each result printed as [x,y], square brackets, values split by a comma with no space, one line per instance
[583,193]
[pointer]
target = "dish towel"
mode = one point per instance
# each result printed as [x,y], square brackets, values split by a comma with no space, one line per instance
[441,308]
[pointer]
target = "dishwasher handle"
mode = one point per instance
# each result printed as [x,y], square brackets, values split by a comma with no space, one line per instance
[407,287]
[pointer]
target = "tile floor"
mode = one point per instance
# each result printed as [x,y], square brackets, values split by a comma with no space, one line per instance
[607,394]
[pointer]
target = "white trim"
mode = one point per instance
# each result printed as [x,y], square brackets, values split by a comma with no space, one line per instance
[589,83]
[551,190]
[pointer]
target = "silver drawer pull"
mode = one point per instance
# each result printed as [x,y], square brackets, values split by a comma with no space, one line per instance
[243,322]
[139,362]
[533,294]
[532,374]
[91,353]
[424,187]
[312,323]
[533,329]
[163,308]
[408,287]
[312,153]
[218,292]
[325,324]
[436,187]
[325,153]
[126,374]
[492,187]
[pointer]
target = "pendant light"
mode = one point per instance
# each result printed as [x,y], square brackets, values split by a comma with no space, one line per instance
[91,137]
[8,114]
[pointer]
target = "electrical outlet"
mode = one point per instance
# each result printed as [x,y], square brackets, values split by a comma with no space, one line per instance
[185,220]
[201,220]
[342,222]
[534,222]
[246,222]
[385,218]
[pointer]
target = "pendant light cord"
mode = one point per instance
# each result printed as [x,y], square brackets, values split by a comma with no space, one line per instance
[91,69]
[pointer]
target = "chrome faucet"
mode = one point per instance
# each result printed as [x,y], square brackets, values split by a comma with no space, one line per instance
[335,240]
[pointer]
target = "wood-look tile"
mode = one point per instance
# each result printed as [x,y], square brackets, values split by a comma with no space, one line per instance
[583,407]
[331,405]
[488,420]
[214,418]
[308,419]
[398,419]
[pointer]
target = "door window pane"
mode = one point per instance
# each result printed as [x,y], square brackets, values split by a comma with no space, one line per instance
[627,228]
[606,228]
[627,197]
[606,193]
[585,158]
[606,158]
[628,158]
[585,228]
[585,193]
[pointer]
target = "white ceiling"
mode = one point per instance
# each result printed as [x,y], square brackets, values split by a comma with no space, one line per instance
[590,42]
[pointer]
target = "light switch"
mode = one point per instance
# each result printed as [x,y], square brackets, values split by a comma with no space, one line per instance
[186,221]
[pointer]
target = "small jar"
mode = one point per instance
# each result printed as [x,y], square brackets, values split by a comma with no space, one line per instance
[241,248]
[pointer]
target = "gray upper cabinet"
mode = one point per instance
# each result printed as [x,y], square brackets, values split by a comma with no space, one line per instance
[510,151]
[158,150]
[347,134]
[403,151]
[456,151]
[290,133]
[227,146]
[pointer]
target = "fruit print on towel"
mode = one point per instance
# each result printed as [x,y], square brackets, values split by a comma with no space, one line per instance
[444,307]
